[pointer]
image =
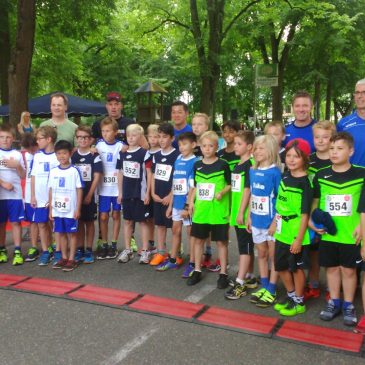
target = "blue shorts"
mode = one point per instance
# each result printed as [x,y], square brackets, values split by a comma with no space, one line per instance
[65,225]
[28,212]
[41,215]
[106,201]
[12,210]
[135,210]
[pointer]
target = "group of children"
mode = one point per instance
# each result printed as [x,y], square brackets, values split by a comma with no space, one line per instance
[300,210]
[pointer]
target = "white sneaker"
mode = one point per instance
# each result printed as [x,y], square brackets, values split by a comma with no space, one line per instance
[125,256]
[145,257]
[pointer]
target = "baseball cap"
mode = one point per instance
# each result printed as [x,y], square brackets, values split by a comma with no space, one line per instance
[300,143]
[113,95]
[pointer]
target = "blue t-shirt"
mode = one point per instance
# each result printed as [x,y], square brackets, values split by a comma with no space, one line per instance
[306,133]
[356,127]
[264,185]
[177,132]
[183,180]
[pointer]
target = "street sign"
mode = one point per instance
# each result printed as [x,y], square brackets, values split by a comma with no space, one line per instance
[266,75]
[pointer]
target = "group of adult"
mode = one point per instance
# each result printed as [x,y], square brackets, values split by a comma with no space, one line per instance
[301,127]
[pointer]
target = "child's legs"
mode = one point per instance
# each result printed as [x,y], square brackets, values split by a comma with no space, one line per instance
[243,266]
[223,255]
[198,249]
[220,235]
[252,263]
[128,231]
[176,238]
[262,259]
[104,220]
[73,244]
[314,269]
[90,233]
[16,229]
[334,281]
[81,234]
[151,229]
[2,233]
[34,232]
[116,225]
[287,278]
[161,237]
[273,273]
[363,288]
[192,248]
[61,241]
[144,235]
[349,281]
[299,282]
[44,235]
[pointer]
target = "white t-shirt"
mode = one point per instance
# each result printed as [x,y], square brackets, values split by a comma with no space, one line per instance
[28,165]
[43,163]
[109,154]
[64,183]
[10,175]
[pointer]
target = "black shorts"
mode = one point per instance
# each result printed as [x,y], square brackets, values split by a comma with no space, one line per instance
[285,260]
[332,254]
[88,212]
[244,240]
[159,215]
[218,232]
[135,210]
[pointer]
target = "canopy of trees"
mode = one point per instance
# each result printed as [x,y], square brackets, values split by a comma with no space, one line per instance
[205,47]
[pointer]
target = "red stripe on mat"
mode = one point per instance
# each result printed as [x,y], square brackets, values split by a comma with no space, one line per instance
[103,295]
[47,286]
[7,280]
[166,306]
[323,336]
[239,320]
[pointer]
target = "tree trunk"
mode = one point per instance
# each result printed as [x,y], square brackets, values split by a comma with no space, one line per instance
[21,60]
[225,99]
[317,100]
[277,99]
[328,99]
[4,51]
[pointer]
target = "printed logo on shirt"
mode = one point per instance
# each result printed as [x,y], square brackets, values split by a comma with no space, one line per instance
[163,160]
[109,157]
[46,166]
[61,182]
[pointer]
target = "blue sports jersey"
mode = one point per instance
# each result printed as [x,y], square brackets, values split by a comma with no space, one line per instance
[134,164]
[88,164]
[264,185]
[177,132]
[306,133]
[183,180]
[356,127]
[162,169]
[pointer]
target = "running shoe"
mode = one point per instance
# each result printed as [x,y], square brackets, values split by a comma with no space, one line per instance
[60,264]
[44,258]
[189,269]
[266,300]
[206,262]
[89,257]
[125,256]
[179,260]
[310,292]
[255,297]
[283,303]
[112,252]
[330,312]
[18,258]
[134,246]
[79,255]
[158,259]
[349,316]
[3,256]
[32,254]
[57,256]
[70,266]
[167,265]
[236,292]
[145,257]
[252,283]
[102,252]
[152,249]
[222,281]
[293,309]
[215,267]
[195,277]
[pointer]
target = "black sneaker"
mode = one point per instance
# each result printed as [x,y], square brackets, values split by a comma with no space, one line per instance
[222,281]
[194,278]
[103,252]
[252,283]
[236,292]
[112,252]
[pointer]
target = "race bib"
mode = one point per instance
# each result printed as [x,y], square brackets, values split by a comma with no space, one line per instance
[85,170]
[260,205]
[236,183]
[110,179]
[179,186]
[279,222]
[131,169]
[339,205]
[163,172]
[205,191]
[62,203]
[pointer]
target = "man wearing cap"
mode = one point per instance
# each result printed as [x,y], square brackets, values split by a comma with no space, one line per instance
[65,128]
[355,124]
[179,114]
[114,106]
[302,126]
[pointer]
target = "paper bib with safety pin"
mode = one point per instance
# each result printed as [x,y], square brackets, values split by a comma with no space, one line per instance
[339,205]
[110,178]
[85,170]
[236,183]
[163,172]
[180,186]
[131,169]
[62,203]
[260,205]
[205,191]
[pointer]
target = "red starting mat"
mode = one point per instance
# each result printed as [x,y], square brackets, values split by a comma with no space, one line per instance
[7,280]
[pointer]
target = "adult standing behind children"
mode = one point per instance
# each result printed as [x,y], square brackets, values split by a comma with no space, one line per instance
[179,115]
[301,127]
[64,127]
[355,124]
[25,126]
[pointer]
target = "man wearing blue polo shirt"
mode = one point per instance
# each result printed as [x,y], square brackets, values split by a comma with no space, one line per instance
[179,114]
[355,124]
[302,126]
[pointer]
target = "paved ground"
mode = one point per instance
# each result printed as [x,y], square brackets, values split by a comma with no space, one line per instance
[38,329]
